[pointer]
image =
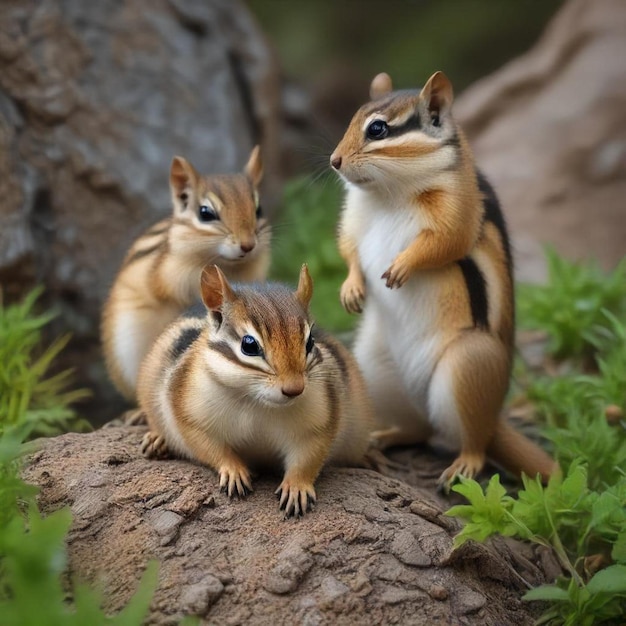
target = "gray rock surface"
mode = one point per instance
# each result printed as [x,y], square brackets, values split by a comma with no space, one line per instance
[375,550]
[549,130]
[95,100]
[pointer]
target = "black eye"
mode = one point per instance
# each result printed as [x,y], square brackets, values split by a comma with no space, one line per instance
[309,344]
[259,212]
[207,214]
[435,120]
[250,346]
[378,129]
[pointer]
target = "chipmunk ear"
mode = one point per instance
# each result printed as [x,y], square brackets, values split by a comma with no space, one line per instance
[381,85]
[183,177]
[215,290]
[438,94]
[305,287]
[254,167]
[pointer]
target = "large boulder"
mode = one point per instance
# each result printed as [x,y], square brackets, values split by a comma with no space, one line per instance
[549,130]
[95,100]
[375,550]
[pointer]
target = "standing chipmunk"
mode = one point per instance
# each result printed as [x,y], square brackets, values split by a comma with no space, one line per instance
[429,265]
[248,384]
[216,219]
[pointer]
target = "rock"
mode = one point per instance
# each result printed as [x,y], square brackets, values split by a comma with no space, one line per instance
[549,131]
[239,562]
[95,100]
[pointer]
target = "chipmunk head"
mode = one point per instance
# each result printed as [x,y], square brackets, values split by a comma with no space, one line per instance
[219,217]
[405,137]
[263,335]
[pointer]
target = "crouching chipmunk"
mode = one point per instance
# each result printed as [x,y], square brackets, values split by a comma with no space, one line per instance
[216,219]
[250,383]
[429,266]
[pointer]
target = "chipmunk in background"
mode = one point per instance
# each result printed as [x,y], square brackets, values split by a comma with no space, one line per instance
[429,265]
[216,219]
[249,383]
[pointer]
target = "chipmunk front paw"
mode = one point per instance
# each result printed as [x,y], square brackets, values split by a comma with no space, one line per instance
[466,465]
[398,272]
[153,446]
[295,499]
[235,480]
[352,295]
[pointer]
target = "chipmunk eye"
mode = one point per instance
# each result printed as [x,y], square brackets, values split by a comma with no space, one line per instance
[378,129]
[207,214]
[259,212]
[250,346]
[434,120]
[309,344]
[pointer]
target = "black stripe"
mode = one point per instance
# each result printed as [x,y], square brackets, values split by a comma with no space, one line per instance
[493,214]
[225,350]
[453,141]
[333,399]
[140,254]
[184,341]
[413,123]
[477,292]
[335,351]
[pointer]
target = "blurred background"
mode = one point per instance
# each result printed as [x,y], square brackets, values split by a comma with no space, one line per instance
[96,98]
[332,50]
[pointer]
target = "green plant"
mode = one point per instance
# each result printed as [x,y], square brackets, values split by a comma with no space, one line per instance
[571,306]
[576,522]
[27,394]
[309,215]
[580,514]
[32,548]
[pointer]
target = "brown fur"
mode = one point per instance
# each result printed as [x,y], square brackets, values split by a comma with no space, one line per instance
[202,400]
[421,162]
[160,273]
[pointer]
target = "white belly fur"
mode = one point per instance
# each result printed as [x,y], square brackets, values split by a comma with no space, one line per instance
[406,318]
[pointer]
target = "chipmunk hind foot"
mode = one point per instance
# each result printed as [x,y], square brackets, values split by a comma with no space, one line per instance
[466,465]
[153,446]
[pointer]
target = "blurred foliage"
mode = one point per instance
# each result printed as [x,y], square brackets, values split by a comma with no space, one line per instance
[28,395]
[305,233]
[409,39]
[575,306]
[33,556]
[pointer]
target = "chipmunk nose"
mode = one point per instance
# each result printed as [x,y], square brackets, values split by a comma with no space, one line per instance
[293,388]
[335,161]
[247,246]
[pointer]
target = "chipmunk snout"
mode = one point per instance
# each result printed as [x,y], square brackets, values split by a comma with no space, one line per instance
[247,246]
[335,161]
[293,388]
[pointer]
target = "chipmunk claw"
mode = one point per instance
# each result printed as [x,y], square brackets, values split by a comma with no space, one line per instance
[294,500]
[396,275]
[465,465]
[352,296]
[235,481]
[153,446]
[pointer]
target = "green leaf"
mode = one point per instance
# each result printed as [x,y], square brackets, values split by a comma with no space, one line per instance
[610,580]
[550,593]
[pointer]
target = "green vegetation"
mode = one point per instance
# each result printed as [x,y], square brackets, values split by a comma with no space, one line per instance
[572,306]
[581,515]
[32,548]
[27,395]
[306,234]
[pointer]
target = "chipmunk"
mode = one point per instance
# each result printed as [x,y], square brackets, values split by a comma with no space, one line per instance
[430,267]
[250,383]
[216,219]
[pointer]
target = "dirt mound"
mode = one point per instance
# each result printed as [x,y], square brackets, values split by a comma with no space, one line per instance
[375,549]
